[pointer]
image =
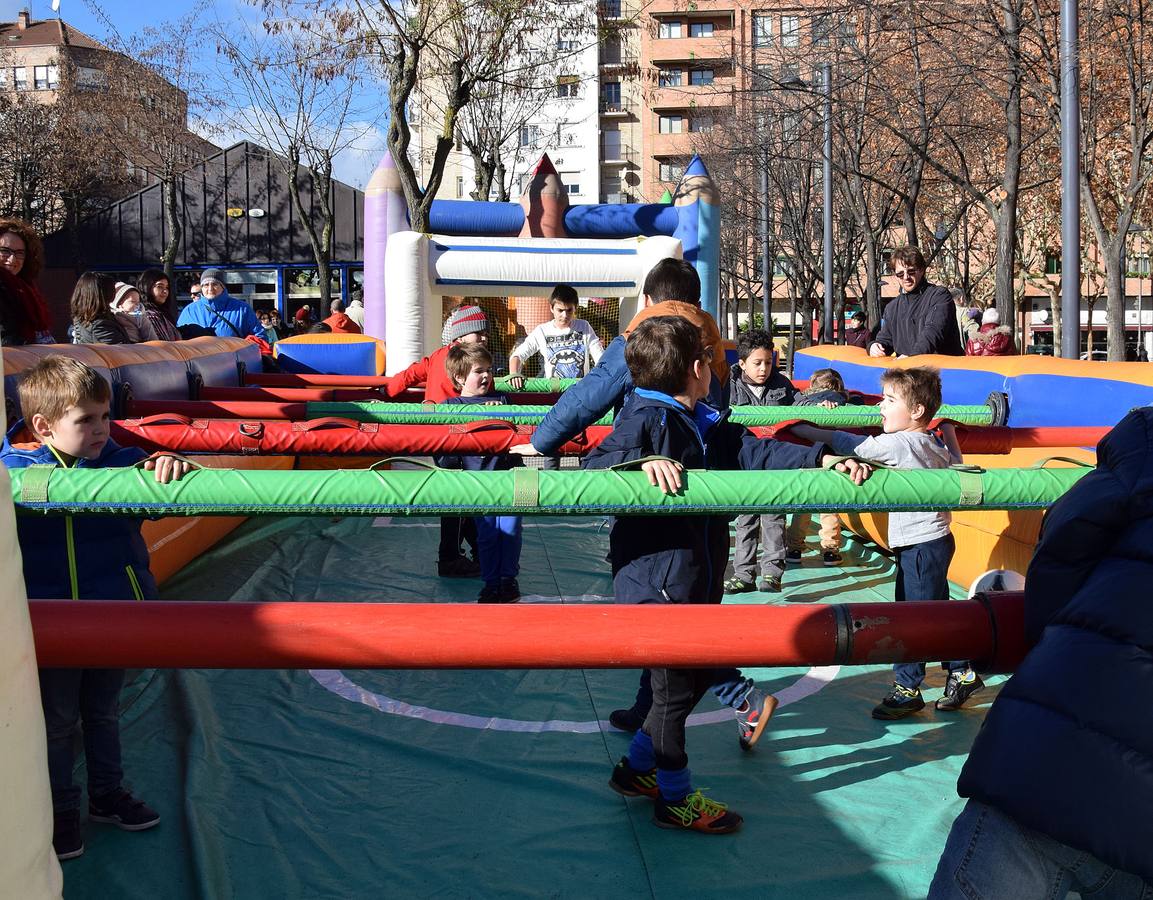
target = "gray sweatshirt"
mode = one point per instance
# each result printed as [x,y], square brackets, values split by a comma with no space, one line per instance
[903,450]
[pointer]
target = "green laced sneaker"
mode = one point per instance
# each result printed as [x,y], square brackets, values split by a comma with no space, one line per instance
[628,782]
[696,812]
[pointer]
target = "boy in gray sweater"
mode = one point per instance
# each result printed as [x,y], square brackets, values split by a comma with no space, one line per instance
[922,541]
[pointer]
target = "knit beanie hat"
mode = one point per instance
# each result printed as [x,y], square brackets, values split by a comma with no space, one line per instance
[990,317]
[212,275]
[122,290]
[466,320]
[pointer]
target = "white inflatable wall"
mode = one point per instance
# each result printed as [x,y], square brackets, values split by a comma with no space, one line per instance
[424,268]
[28,867]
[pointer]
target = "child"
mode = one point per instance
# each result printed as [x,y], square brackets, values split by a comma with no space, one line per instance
[568,345]
[129,312]
[921,541]
[755,381]
[826,388]
[466,324]
[678,559]
[66,407]
[498,537]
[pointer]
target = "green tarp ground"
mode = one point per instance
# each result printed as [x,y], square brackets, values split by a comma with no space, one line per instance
[272,785]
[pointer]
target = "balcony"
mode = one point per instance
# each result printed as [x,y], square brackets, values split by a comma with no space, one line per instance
[616,109]
[700,9]
[673,144]
[717,47]
[622,155]
[718,94]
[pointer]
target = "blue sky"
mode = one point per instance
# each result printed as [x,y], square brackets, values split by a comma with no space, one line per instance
[128,16]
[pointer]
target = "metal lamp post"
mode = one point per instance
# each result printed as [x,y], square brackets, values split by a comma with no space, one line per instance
[1070,183]
[827,224]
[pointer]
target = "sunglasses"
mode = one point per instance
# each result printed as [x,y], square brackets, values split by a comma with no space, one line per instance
[906,273]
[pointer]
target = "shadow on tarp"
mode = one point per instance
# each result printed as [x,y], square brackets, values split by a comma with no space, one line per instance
[271,786]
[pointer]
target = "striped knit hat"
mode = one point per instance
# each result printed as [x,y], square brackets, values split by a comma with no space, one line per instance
[466,320]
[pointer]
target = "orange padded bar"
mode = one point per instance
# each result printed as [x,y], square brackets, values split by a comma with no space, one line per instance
[124,634]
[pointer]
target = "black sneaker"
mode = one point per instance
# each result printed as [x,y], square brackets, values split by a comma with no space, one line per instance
[696,812]
[490,593]
[751,723]
[771,585]
[460,567]
[831,558]
[122,810]
[626,719]
[509,590]
[792,556]
[959,688]
[628,782]
[739,586]
[900,702]
[67,836]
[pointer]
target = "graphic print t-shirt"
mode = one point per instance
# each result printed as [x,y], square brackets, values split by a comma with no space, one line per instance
[567,352]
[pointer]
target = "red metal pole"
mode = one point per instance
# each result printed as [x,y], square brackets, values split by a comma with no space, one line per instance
[124,634]
[284,379]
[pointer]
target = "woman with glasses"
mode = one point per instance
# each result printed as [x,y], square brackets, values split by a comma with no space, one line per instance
[26,319]
[922,318]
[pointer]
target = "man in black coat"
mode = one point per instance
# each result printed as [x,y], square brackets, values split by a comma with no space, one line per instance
[922,318]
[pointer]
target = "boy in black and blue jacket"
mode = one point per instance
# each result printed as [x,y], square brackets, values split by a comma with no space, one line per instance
[498,538]
[65,405]
[678,559]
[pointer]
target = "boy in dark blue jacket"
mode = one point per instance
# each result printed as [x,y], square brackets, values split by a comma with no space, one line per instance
[65,405]
[678,559]
[498,538]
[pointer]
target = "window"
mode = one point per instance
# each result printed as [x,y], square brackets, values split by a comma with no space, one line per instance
[611,50]
[821,28]
[40,78]
[670,30]
[611,184]
[701,29]
[670,77]
[458,145]
[611,144]
[672,124]
[611,94]
[762,77]
[790,72]
[670,171]
[529,135]
[567,86]
[610,9]
[702,123]
[571,182]
[848,33]
[790,31]
[762,31]
[700,76]
[565,42]
[20,77]
[459,187]
[87,77]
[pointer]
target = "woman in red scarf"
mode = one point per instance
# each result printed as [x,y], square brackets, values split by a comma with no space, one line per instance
[25,314]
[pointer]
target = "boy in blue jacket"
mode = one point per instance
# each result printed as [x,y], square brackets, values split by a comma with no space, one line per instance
[678,559]
[66,407]
[498,538]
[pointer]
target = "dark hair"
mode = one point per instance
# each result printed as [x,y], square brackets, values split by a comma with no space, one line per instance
[92,298]
[563,293]
[320,328]
[33,246]
[909,256]
[661,351]
[148,279]
[673,279]
[917,386]
[755,339]
[827,380]
[858,314]
[462,357]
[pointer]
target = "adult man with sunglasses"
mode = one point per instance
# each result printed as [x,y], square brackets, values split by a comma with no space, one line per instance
[922,317]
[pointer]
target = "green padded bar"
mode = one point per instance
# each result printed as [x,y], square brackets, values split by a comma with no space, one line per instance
[353,492]
[536,385]
[445,414]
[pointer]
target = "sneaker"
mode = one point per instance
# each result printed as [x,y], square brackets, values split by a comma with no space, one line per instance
[696,812]
[628,782]
[509,590]
[831,558]
[739,586]
[792,556]
[771,585]
[460,567]
[490,593]
[67,836]
[122,810]
[626,719]
[751,723]
[900,702]
[959,688]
